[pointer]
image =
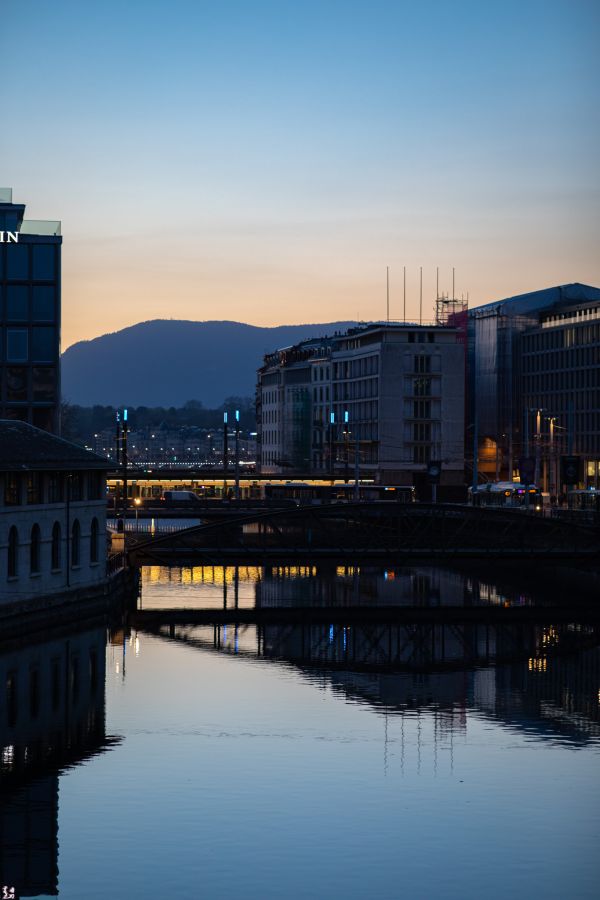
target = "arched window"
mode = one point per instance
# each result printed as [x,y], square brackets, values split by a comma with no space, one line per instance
[94,541]
[75,543]
[34,550]
[56,554]
[13,552]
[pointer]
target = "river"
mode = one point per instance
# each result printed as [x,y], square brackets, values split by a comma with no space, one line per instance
[305,760]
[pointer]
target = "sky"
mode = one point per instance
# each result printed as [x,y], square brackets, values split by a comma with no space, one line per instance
[267,161]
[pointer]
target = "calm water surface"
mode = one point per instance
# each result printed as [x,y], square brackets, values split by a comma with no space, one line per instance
[304,761]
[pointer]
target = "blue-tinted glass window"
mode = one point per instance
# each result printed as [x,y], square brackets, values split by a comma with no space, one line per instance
[43,262]
[17,261]
[42,307]
[16,345]
[17,307]
[43,344]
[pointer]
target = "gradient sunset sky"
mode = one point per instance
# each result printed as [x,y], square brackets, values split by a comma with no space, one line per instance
[265,161]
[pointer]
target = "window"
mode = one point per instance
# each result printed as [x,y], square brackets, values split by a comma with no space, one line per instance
[43,344]
[55,487]
[422,387]
[17,261]
[16,383]
[422,409]
[17,345]
[11,489]
[17,305]
[421,454]
[75,486]
[56,554]
[43,262]
[43,307]
[422,364]
[34,488]
[94,541]
[75,543]
[13,552]
[35,550]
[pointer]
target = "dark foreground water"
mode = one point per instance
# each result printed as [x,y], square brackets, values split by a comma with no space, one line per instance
[305,761]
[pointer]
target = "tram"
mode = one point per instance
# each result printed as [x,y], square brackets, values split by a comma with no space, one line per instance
[302,493]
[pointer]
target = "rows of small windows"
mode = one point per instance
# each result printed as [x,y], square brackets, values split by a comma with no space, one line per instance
[270,437]
[56,684]
[355,390]
[558,338]
[270,457]
[575,357]
[575,379]
[52,487]
[356,368]
[320,373]
[270,416]
[270,397]
[56,562]
[29,262]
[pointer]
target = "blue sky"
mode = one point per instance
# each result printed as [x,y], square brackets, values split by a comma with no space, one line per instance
[266,161]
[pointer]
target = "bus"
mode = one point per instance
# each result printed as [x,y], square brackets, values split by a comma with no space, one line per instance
[508,494]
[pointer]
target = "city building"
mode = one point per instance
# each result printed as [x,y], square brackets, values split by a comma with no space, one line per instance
[534,382]
[52,515]
[380,401]
[30,279]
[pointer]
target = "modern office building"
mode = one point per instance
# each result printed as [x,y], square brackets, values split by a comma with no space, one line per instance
[534,381]
[382,400]
[30,273]
[52,515]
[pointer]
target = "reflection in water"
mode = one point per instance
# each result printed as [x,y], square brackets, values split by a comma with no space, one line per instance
[303,759]
[52,715]
[245,587]
[538,677]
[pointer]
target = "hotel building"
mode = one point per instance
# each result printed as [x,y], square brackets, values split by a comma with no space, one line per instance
[30,278]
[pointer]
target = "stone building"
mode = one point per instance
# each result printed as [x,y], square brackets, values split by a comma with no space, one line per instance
[52,514]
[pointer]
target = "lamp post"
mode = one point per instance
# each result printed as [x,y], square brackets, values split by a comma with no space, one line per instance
[346,438]
[237,455]
[137,503]
[331,428]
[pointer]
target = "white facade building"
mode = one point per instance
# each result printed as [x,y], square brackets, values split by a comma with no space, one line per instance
[390,397]
[52,515]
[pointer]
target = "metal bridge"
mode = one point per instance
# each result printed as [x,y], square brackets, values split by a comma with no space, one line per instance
[372,531]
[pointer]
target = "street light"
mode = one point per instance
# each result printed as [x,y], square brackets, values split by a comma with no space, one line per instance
[137,503]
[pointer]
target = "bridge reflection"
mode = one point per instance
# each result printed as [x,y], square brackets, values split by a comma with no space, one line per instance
[540,674]
[52,715]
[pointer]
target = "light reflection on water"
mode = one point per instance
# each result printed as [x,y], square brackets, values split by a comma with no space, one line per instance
[304,762]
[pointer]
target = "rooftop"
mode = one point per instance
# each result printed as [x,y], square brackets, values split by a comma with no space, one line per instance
[24,447]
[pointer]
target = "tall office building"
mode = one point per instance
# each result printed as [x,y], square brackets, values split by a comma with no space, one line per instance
[30,264]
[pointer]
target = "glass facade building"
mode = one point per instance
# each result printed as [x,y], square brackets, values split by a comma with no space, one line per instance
[30,301]
[535,352]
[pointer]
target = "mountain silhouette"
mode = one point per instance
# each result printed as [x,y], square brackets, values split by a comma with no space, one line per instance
[165,362]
